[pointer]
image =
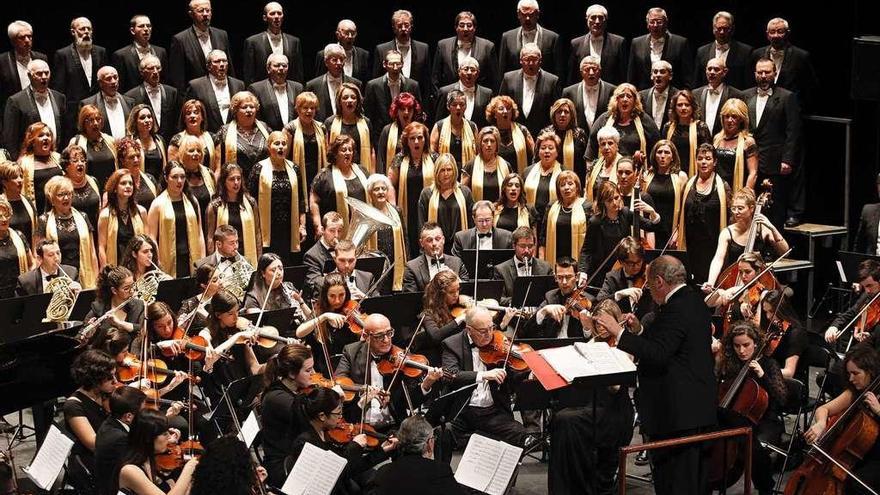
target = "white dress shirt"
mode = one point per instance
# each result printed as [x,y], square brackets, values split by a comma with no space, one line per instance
[276,43]
[47,113]
[204,38]
[481,396]
[376,413]
[333,84]
[596,44]
[713,102]
[463,50]
[393,86]
[485,242]
[591,103]
[761,103]
[221,93]
[347,66]
[356,293]
[115,115]
[406,54]
[142,51]
[532,36]
[529,85]
[281,95]
[154,93]
[435,266]
[21,68]
[86,61]
[469,95]
[721,51]
[656,48]
[659,108]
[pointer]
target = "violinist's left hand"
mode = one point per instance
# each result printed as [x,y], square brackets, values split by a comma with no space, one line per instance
[746,309]
[390,444]
[175,346]
[610,324]
[262,474]
[872,402]
[174,409]
[509,313]
[433,375]
[861,335]
[174,435]
[756,368]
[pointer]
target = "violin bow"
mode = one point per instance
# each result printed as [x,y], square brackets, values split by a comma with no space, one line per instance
[858,315]
[604,262]
[202,301]
[771,319]
[253,455]
[266,299]
[405,354]
[516,327]
[752,282]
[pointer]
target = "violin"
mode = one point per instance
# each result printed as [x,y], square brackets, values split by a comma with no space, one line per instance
[348,386]
[870,318]
[496,352]
[777,329]
[130,369]
[353,316]
[177,454]
[195,347]
[267,337]
[344,432]
[576,302]
[154,400]
[413,365]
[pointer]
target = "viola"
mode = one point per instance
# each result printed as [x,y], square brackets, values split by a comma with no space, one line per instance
[496,352]
[348,386]
[411,365]
[195,347]
[777,329]
[267,336]
[154,400]
[870,318]
[130,369]
[344,432]
[177,454]
[353,316]
[577,302]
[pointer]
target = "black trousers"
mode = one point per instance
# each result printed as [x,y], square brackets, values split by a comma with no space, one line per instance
[679,470]
[492,421]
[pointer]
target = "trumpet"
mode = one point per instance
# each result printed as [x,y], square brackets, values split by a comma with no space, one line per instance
[64,292]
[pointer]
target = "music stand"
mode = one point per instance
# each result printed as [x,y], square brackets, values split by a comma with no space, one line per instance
[548,343]
[489,258]
[487,289]
[652,254]
[541,284]
[296,275]
[281,319]
[22,314]
[372,264]
[241,393]
[850,262]
[83,304]
[401,308]
[176,290]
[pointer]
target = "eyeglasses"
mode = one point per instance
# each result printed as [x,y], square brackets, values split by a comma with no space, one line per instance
[383,335]
[336,413]
[484,330]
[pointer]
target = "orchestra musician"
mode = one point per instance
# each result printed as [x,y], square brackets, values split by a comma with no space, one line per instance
[208,281]
[345,259]
[422,269]
[139,256]
[49,264]
[611,222]
[583,447]
[554,319]
[868,278]
[224,253]
[442,295]
[330,326]
[226,467]
[627,177]
[328,232]
[626,285]
[484,235]
[114,293]
[523,264]
[270,288]
[749,265]
[776,311]
[511,210]
[111,438]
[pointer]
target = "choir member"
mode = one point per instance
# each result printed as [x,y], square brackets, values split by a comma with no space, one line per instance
[215,90]
[131,159]
[199,179]
[325,86]
[76,67]
[638,132]
[564,228]
[15,252]
[485,173]
[446,202]
[193,123]
[533,89]
[610,49]
[564,122]
[234,206]
[86,191]
[733,54]
[665,181]
[541,177]
[243,140]
[736,148]
[341,178]
[516,145]
[273,41]
[190,49]
[415,57]
[604,168]
[75,236]
[100,147]
[114,107]
[511,209]
[39,163]
[380,92]
[151,151]
[660,44]
[356,60]
[276,94]
[392,242]
[686,129]
[404,109]
[23,216]
[34,103]
[412,170]
[712,97]
[451,52]
[163,100]
[477,97]
[306,142]
[657,99]
[794,67]
[591,94]
[349,120]
[529,31]
[120,220]
[14,74]
[454,134]
[175,222]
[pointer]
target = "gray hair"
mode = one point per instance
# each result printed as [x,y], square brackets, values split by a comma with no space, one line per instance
[474,312]
[483,203]
[656,10]
[148,59]
[469,62]
[272,4]
[343,21]
[777,20]
[76,21]
[608,132]
[36,64]
[720,61]
[334,49]
[530,48]
[106,70]
[662,64]
[723,14]
[454,95]
[377,179]
[527,3]
[590,59]
[16,27]
[414,433]
[276,57]
[214,53]
[400,13]
[669,268]
[596,8]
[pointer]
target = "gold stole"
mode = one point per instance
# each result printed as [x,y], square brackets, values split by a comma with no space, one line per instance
[248,227]
[167,231]
[427,179]
[692,143]
[578,230]
[264,201]
[640,129]
[534,178]
[522,216]
[208,141]
[342,191]
[739,164]
[208,179]
[230,142]
[298,153]
[88,272]
[94,183]
[568,150]
[722,217]
[366,160]
[598,165]
[82,142]
[20,251]
[149,182]
[27,169]
[434,206]
[676,187]
[502,170]
[400,255]
[519,146]
[468,145]
[391,144]
[113,229]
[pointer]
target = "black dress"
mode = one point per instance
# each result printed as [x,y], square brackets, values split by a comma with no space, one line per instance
[9,270]
[629,136]
[323,188]
[381,147]
[21,219]
[101,162]
[247,153]
[144,196]
[124,233]
[727,160]
[663,192]
[491,184]
[507,151]
[87,201]
[280,208]
[601,239]
[350,130]
[735,250]
[41,177]
[415,182]
[385,237]
[701,213]
[68,238]
[448,214]
[508,218]
[203,198]
[181,243]
[542,193]
[153,161]
[579,139]
[682,141]
[310,143]
[283,419]
[563,232]
[81,405]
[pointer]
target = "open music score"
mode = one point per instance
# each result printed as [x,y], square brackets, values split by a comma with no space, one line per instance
[249,429]
[46,466]
[315,472]
[487,465]
[585,360]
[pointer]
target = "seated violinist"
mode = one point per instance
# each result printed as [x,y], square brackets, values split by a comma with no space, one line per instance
[584,446]
[170,342]
[745,307]
[270,292]
[196,308]
[739,347]
[786,349]
[862,366]
[384,407]
[442,295]
[226,467]
[868,278]
[626,284]
[115,303]
[345,258]
[329,327]
[112,437]
[486,407]
[553,319]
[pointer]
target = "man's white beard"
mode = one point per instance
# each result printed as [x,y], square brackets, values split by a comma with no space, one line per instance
[83,45]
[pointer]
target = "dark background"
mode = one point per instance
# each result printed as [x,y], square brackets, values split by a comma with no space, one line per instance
[826,31]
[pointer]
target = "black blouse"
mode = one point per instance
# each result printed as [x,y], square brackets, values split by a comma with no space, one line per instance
[153,161]
[9,270]
[68,237]
[247,151]
[280,207]
[727,160]
[663,192]
[87,201]
[507,151]
[579,139]
[326,192]
[21,219]
[563,231]
[682,141]
[448,214]
[310,142]
[491,184]
[41,177]
[701,214]
[101,162]
[351,130]
[509,216]
[144,196]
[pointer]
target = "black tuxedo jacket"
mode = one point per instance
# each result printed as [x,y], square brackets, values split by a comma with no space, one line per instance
[778,134]
[677,51]
[21,111]
[614,56]
[866,235]
[314,260]
[549,328]
[318,86]
[9,81]
[257,50]
[457,361]
[111,441]
[740,69]
[377,100]
[360,64]
[169,114]
[467,239]
[482,97]
[548,42]
[417,274]
[647,96]
[432,477]
[727,93]
[676,377]
[575,93]
[420,68]
[187,60]
[797,75]
[68,76]
[30,283]
[213,259]
[547,90]
[507,272]
[269,112]
[97,100]
[202,90]
[363,280]
[445,70]
[127,64]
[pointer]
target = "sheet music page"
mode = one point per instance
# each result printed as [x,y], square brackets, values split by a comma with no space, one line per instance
[506,467]
[603,359]
[249,429]
[487,465]
[567,361]
[315,472]
[50,459]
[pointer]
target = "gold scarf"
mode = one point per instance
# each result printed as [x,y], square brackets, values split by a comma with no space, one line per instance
[88,272]
[520,147]
[640,129]
[264,201]
[366,160]
[342,192]
[522,216]
[739,164]
[427,180]
[94,183]
[27,170]
[208,179]
[676,187]
[568,150]
[298,153]
[82,142]
[434,206]
[149,182]
[534,179]
[468,145]
[113,230]
[400,254]
[167,231]
[578,230]
[230,142]
[20,251]
[598,165]
[502,170]
[248,226]
[722,217]
[391,144]
[692,143]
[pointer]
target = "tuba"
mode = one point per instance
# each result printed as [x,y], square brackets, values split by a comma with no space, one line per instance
[365,221]
[63,299]
[236,278]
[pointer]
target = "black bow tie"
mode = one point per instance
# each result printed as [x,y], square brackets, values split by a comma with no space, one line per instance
[473,345]
[484,236]
[51,277]
[230,259]
[437,261]
[524,264]
[351,278]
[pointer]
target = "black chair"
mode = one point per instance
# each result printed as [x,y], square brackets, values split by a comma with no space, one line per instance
[797,402]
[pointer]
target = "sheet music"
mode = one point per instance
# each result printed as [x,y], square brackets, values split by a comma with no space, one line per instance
[587,359]
[50,459]
[315,472]
[249,429]
[566,361]
[487,465]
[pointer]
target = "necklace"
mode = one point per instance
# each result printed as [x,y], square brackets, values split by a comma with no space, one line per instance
[248,135]
[98,145]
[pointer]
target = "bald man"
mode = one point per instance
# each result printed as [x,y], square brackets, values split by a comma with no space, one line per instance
[272,41]
[188,56]
[75,70]
[114,107]
[357,60]
[35,103]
